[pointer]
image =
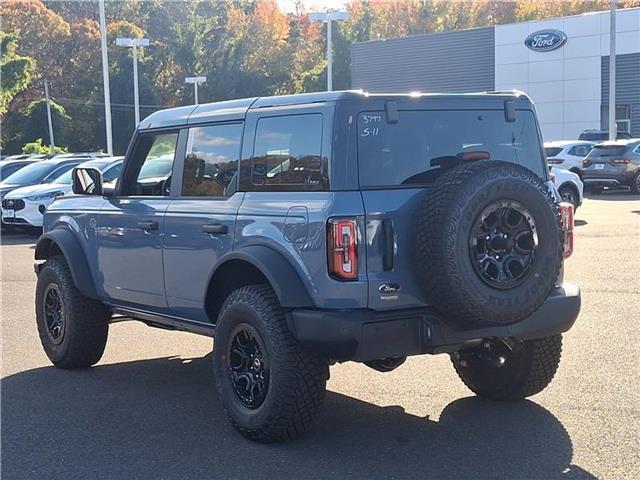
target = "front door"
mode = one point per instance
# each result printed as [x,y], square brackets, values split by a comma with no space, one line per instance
[131,225]
[200,222]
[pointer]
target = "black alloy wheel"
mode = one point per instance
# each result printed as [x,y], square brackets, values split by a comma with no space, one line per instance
[53,308]
[248,366]
[503,243]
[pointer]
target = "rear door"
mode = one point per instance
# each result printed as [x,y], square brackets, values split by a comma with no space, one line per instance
[398,161]
[200,221]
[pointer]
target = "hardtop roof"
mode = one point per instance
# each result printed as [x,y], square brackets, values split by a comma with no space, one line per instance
[235,110]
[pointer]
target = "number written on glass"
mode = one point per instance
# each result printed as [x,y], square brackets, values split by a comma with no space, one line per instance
[370,132]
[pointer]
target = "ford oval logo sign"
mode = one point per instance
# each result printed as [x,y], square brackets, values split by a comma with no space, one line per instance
[545,40]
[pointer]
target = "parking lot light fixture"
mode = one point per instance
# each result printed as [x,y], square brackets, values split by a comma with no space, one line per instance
[328,18]
[134,43]
[195,81]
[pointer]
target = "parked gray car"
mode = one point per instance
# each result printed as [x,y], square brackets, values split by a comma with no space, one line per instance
[305,230]
[613,164]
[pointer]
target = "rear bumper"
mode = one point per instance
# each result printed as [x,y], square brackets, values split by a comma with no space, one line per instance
[363,335]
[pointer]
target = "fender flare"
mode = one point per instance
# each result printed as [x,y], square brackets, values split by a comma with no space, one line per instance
[285,281]
[68,244]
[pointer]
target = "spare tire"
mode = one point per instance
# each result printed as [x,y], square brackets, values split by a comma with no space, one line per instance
[488,243]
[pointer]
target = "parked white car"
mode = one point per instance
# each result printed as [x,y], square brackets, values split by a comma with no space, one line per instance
[568,154]
[26,205]
[569,186]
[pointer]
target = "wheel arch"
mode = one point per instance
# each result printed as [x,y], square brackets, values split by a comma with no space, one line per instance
[572,186]
[63,242]
[253,265]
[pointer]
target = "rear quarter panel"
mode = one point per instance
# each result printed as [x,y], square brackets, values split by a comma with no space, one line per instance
[294,224]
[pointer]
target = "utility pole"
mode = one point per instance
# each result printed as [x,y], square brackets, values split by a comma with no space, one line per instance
[46,96]
[105,78]
[613,126]
[328,18]
[195,81]
[134,43]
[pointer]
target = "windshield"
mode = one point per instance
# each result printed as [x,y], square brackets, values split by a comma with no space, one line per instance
[424,143]
[31,174]
[65,178]
[156,167]
[9,168]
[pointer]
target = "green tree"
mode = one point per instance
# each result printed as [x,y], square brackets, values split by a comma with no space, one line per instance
[15,70]
[34,124]
[36,147]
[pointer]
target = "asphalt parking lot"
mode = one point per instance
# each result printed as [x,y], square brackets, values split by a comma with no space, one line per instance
[149,410]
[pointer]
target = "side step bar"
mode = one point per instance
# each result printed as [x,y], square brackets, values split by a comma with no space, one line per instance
[164,321]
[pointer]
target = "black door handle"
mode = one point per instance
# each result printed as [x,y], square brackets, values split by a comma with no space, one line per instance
[148,225]
[215,229]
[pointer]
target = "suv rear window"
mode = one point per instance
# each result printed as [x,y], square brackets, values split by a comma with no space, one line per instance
[424,143]
[552,151]
[607,151]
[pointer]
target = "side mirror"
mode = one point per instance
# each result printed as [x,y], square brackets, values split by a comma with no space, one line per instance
[87,181]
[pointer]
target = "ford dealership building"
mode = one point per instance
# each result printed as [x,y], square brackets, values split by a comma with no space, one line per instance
[561,63]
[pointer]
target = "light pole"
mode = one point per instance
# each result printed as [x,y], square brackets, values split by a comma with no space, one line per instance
[134,43]
[105,78]
[195,81]
[46,95]
[613,126]
[328,17]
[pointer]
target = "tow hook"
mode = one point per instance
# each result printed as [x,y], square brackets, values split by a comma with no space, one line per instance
[385,364]
[488,354]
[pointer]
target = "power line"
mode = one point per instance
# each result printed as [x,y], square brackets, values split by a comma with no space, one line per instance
[99,104]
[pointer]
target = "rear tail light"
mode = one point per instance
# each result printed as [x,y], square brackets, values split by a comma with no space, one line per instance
[342,248]
[555,161]
[621,160]
[566,223]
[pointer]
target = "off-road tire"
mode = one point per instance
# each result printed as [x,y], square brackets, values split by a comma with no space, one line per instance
[527,372]
[444,265]
[297,377]
[86,321]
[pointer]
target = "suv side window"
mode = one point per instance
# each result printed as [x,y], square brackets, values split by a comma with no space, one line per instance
[148,171]
[211,162]
[288,153]
[580,150]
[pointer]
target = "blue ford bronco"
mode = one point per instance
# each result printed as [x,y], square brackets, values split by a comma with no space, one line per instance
[304,230]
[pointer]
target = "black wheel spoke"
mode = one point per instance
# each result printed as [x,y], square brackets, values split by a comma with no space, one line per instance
[503,244]
[248,369]
[54,313]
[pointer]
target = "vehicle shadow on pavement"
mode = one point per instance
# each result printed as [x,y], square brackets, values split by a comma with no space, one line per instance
[160,418]
[19,237]
[613,196]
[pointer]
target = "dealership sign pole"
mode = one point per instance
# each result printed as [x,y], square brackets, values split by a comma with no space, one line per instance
[195,81]
[613,126]
[105,78]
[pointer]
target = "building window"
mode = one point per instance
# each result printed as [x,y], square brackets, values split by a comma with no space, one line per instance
[623,117]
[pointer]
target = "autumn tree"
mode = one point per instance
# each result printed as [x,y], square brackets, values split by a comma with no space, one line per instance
[15,70]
